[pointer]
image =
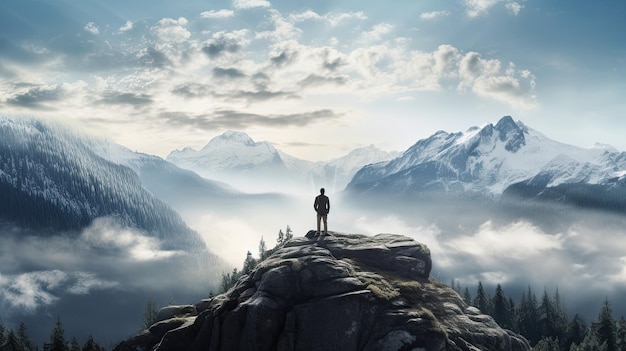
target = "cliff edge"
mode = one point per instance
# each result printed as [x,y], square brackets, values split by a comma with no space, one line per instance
[349,292]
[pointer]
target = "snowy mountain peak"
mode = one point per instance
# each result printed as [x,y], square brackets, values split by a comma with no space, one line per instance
[230,138]
[488,160]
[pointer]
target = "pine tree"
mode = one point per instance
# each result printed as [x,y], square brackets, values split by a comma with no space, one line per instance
[13,343]
[150,313]
[91,345]
[74,346]
[249,263]
[511,315]
[22,335]
[281,238]
[576,332]
[262,249]
[467,296]
[481,300]
[561,319]
[547,317]
[621,334]
[2,333]
[527,317]
[500,308]
[288,234]
[57,339]
[606,331]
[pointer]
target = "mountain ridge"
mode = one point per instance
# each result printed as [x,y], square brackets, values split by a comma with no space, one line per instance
[235,157]
[486,161]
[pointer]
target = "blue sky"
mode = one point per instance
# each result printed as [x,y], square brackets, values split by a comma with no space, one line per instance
[316,78]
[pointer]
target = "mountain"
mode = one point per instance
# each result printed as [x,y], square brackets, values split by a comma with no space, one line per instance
[51,179]
[348,292]
[485,162]
[179,188]
[82,228]
[236,159]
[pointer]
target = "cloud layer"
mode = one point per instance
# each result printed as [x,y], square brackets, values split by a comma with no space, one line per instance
[250,60]
[39,271]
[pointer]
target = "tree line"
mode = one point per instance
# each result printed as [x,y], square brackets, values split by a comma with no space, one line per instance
[545,322]
[20,341]
[229,279]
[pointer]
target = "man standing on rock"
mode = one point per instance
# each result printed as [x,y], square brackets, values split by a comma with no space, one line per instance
[322,207]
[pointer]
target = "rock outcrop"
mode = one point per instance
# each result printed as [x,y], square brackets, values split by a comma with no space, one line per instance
[348,292]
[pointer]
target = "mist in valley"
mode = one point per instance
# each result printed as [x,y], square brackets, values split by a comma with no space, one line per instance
[96,281]
[515,244]
[107,268]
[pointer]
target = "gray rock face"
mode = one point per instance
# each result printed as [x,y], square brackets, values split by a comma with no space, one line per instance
[348,292]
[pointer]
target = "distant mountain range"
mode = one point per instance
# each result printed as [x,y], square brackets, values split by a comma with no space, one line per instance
[507,160]
[235,158]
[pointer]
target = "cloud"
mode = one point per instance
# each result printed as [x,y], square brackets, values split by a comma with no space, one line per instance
[29,291]
[232,73]
[193,90]
[37,270]
[229,119]
[518,241]
[514,7]
[249,4]
[318,80]
[217,14]
[171,30]
[126,27]
[332,18]
[475,8]
[91,28]
[337,19]
[225,42]
[486,79]
[433,15]
[119,98]
[377,33]
[36,97]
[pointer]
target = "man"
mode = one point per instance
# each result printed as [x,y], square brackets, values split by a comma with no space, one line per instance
[322,207]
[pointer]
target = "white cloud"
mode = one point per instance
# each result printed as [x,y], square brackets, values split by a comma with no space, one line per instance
[336,19]
[249,4]
[377,32]
[305,16]
[92,28]
[283,29]
[171,30]
[29,291]
[477,8]
[126,27]
[217,14]
[434,15]
[514,7]
[518,241]
[104,233]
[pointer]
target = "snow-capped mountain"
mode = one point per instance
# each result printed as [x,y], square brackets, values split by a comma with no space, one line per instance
[236,159]
[51,178]
[488,160]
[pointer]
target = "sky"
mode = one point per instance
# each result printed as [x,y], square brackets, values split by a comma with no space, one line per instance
[315,78]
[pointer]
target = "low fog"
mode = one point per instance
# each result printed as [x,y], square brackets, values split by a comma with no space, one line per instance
[517,245]
[97,281]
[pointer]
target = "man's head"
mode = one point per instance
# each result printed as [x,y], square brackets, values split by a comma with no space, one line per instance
[322,191]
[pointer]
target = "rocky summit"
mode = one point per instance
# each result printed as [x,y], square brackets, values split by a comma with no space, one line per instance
[347,292]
